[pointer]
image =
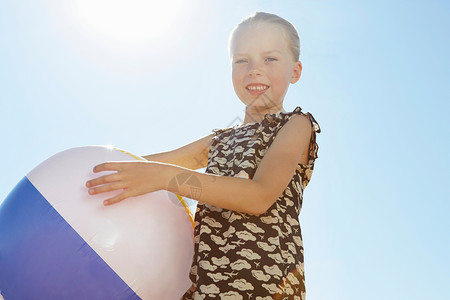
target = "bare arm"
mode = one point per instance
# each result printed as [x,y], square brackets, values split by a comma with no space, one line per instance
[253,196]
[191,156]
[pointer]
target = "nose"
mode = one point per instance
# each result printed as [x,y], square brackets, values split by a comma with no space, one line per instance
[254,70]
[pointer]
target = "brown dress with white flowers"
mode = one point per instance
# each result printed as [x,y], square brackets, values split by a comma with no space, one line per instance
[242,256]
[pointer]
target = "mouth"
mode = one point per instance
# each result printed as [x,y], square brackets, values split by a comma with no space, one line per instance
[257,89]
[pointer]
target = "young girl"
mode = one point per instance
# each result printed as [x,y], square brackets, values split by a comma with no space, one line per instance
[248,242]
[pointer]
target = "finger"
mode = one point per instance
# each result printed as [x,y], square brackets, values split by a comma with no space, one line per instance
[116,199]
[108,166]
[106,188]
[102,180]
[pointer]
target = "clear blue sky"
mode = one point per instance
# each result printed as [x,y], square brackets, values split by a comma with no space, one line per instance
[148,77]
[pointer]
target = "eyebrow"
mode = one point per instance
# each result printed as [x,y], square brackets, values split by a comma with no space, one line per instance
[265,53]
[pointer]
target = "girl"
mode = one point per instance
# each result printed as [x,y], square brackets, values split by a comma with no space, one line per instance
[248,242]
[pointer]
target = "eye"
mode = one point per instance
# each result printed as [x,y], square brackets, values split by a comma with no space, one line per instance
[269,59]
[240,61]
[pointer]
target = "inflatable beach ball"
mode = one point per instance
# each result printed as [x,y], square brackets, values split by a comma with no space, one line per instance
[59,242]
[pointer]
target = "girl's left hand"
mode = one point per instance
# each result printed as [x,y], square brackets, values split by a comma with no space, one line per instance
[134,178]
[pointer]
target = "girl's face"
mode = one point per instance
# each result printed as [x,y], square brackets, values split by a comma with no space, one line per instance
[262,66]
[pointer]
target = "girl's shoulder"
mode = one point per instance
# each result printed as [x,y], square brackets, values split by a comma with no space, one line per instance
[312,153]
[286,116]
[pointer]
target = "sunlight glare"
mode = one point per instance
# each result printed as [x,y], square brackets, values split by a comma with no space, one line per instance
[131,21]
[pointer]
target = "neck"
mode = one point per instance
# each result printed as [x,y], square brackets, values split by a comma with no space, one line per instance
[256,114]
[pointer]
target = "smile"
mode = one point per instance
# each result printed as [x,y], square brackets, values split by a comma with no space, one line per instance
[257,87]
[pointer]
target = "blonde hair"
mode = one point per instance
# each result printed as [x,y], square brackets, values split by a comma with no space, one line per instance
[262,17]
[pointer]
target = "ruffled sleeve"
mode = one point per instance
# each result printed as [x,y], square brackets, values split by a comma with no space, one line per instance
[313,146]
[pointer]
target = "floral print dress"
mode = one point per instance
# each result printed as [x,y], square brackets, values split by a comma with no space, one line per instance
[243,256]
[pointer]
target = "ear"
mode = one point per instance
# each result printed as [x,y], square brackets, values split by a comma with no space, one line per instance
[296,72]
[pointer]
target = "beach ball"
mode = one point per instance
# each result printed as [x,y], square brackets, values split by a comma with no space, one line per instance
[59,242]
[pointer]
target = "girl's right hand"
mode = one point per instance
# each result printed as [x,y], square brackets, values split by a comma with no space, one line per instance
[134,178]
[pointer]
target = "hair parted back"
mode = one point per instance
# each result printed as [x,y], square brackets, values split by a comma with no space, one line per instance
[263,17]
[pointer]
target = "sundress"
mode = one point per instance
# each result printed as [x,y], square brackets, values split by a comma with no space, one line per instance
[243,256]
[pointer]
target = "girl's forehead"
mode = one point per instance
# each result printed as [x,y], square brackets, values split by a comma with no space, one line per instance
[260,36]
